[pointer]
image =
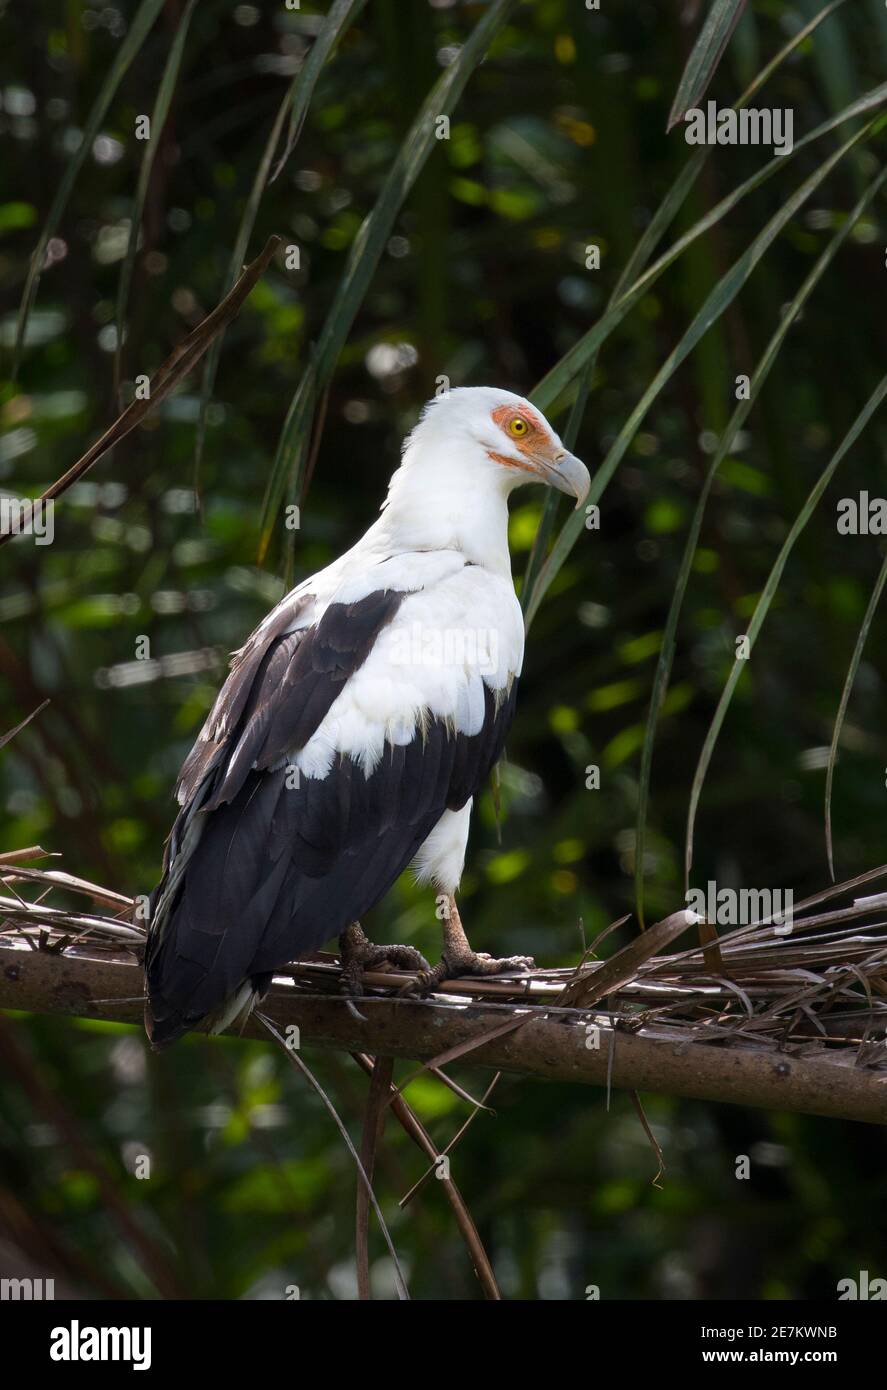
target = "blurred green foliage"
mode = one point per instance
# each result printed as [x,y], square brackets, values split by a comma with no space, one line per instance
[557,143]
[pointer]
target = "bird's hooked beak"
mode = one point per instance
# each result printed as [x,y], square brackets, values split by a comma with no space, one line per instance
[540,452]
[568,474]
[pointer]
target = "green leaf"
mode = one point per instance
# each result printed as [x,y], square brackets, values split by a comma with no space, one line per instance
[297,98]
[762,607]
[158,121]
[726,289]
[674,199]
[341,14]
[367,249]
[707,52]
[842,708]
[656,227]
[138,32]
[546,393]
[735,424]
[550,509]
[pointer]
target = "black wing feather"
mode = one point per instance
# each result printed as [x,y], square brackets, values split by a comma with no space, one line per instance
[274,869]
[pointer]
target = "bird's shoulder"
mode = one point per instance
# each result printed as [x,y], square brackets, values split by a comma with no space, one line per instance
[358,655]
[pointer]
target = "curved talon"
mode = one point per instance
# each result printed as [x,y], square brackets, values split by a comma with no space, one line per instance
[454,967]
[353,1009]
[359,955]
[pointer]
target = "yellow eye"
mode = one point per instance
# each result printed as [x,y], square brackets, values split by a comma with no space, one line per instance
[518,427]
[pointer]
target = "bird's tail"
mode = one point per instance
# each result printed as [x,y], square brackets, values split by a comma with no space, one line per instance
[164,1023]
[190,982]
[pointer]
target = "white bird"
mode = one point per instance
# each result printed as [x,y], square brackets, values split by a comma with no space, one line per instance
[355,727]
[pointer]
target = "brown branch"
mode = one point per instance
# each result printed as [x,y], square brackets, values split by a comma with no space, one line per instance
[373,1125]
[296,1061]
[180,363]
[413,1126]
[653,1056]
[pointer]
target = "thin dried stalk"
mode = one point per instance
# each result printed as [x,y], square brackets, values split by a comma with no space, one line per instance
[413,1126]
[180,363]
[373,1125]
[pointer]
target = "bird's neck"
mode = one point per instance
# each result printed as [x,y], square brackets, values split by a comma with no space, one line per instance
[445,508]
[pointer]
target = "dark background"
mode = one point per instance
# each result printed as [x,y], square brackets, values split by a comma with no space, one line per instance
[558,141]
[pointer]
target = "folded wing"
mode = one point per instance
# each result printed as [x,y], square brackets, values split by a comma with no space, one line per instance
[331,753]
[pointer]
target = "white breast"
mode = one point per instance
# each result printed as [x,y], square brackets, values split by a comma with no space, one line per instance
[461,630]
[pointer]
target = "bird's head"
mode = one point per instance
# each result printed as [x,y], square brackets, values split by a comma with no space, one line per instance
[497,429]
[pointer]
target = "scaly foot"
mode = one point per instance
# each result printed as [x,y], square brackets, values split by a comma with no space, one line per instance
[358,954]
[456,963]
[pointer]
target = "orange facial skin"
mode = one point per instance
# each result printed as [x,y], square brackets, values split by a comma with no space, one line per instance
[536,443]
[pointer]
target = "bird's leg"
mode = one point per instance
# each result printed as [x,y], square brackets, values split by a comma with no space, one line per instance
[358,954]
[459,959]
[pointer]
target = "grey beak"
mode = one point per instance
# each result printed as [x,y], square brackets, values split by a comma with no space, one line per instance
[569,474]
